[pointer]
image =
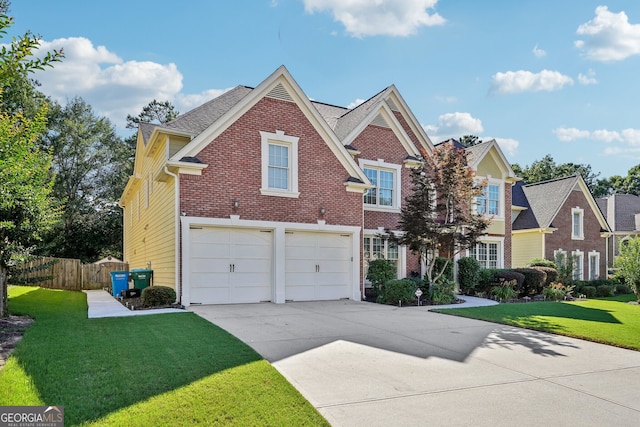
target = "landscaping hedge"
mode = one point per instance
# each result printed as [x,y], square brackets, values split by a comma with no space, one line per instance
[534,281]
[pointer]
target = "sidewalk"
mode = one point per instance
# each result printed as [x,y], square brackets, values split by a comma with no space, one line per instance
[102,304]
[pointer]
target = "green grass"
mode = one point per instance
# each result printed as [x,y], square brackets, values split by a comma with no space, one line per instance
[608,320]
[166,369]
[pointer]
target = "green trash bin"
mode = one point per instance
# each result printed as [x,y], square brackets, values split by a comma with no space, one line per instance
[141,278]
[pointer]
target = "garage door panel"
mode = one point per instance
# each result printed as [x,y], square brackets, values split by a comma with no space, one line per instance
[230,265]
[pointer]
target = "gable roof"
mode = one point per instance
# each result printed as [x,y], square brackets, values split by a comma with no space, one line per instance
[479,151]
[622,211]
[544,200]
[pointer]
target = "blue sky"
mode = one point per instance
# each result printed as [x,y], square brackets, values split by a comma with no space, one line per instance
[541,77]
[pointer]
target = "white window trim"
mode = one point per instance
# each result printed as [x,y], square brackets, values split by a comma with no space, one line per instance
[401,270]
[580,212]
[579,264]
[292,143]
[499,241]
[380,164]
[595,274]
[500,184]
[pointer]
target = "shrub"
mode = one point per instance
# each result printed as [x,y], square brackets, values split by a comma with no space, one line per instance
[394,291]
[504,290]
[604,291]
[551,274]
[380,271]
[557,291]
[534,281]
[448,271]
[487,279]
[468,274]
[622,289]
[443,292]
[588,291]
[541,262]
[158,295]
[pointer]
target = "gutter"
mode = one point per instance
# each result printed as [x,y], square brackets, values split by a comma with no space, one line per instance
[177,232]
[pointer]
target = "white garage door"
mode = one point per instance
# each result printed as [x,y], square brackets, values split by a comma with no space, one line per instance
[317,266]
[230,265]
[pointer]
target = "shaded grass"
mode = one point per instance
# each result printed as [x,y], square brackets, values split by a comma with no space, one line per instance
[610,321]
[166,369]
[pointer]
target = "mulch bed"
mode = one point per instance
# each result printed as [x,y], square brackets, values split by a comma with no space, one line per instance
[11,330]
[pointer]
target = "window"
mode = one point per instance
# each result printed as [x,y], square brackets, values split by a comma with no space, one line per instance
[279,164]
[487,254]
[577,229]
[594,265]
[385,177]
[560,257]
[382,193]
[379,248]
[578,266]
[489,201]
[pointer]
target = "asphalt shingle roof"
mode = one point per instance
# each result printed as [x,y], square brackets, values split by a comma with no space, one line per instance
[543,201]
[621,211]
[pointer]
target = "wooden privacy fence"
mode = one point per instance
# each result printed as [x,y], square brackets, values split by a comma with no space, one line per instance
[65,273]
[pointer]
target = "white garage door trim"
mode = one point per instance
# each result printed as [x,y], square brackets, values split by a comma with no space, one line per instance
[279,253]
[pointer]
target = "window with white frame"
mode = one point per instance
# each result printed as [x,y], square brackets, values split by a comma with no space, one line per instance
[487,254]
[578,264]
[385,177]
[489,201]
[577,226]
[279,154]
[376,247]
[594,265]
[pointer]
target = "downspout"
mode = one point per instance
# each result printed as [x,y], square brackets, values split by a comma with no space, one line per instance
[177,231]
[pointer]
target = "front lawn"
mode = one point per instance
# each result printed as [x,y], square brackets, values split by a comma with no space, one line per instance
[610,321]
[165,369]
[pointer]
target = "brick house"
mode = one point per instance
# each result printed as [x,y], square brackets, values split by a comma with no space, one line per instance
[560,216]
[622,212]
[257,195]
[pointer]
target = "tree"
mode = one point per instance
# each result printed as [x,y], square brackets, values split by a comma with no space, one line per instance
[617,184]
[629,263]
[470,140]
[25,183]
[154,112]
[438,219]
[84,147]
[547,169]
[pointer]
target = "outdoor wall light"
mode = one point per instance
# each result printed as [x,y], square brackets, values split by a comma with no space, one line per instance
[235,203]
[323,211]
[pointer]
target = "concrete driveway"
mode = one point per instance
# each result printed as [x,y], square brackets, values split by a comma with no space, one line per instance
[365,364]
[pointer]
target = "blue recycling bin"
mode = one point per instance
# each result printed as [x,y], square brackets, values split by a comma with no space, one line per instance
[119,282]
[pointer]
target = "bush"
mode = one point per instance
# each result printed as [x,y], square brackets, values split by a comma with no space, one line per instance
[534,281]
[505,291]
[154,296]
[490,276]
[552,274]
[604,291]
[443,292]
[394,291]
[622,289]
[448,271]
[380,271]
[468,274]
[541,262]
[557,291]
[588,291]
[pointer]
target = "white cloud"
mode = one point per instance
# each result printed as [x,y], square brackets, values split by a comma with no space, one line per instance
[362,18]
[588,79]
[508,145]
[570,134]
[185,103]
[526,81]
[628,136]
[610,36]
[454,125]
[539,53]
[355,103]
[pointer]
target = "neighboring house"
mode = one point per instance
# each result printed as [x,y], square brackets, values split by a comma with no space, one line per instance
[257,195]
[622,212]
[560,216]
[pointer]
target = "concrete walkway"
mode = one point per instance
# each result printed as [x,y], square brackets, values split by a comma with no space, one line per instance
[364,364]
[103,304]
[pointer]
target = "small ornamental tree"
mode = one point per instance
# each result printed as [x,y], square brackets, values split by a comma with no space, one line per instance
[629,263]
[438,218]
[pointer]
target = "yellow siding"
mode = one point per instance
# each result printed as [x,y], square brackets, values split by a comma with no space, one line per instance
[150,230]
[176,144]
[525,247]
[488,166]
[496,227]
